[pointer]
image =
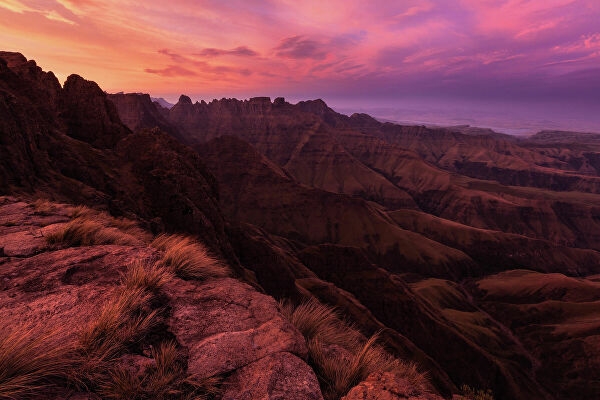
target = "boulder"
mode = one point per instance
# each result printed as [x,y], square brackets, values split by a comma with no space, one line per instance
[226,325]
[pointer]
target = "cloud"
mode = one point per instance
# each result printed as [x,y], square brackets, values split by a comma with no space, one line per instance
[297,47]
[172,71]
[48,12]
[241,51]
[188,66]
[313,47]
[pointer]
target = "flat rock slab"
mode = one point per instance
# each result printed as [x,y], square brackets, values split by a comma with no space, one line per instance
[26,243]
[388,386]
[226,324]
[279,376]
[64,288]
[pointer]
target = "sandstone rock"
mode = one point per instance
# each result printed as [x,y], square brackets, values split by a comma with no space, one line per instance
[225,324]
[65,288]
[279,376]
[388,386]
[23,243]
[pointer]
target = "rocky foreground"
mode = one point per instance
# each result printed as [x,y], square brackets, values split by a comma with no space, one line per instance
[86,314]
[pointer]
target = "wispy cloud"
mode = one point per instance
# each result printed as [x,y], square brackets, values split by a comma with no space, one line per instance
[171,71]
[240,51]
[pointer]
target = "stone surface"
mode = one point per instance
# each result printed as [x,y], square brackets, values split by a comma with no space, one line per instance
[388,386]
[279,376]
[226,324]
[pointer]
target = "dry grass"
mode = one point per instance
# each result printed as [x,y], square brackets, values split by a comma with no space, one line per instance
[188,258]
[319,322]
[88,231]
[142,275]
[124,320]
[82,211]
[43,207]
[29,361]
[469,393]
[164,380]
[339,371]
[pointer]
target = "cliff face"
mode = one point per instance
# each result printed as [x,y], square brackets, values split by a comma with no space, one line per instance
[70,143]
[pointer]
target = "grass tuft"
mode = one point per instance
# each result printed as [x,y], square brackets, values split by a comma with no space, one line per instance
[123,321]
[164,380]
[88,231]
[468,393]
[317,321]
[140,275]
[188,258]
[29,361]
[339,371]
[43,207]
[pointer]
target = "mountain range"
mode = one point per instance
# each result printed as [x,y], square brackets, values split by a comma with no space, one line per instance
[474,254]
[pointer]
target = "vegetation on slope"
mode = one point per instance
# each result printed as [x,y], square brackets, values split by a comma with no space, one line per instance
[340,355]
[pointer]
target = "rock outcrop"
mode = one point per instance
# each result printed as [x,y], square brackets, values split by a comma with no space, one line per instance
[221,327]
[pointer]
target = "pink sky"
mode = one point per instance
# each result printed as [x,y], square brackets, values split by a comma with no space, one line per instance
[309,49]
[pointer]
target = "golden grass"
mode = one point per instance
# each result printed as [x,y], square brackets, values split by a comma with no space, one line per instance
[29,361]
[188,258]
[43,207]
[82,211]
[123,320]
[141,275]
[476,394]
[317,321]
[88,231]
[164,380]
[339,371]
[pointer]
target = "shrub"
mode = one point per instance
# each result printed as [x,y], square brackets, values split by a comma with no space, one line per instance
[29,360]
[188,258]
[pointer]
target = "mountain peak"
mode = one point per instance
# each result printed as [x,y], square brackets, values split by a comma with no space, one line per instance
[183,99]
[13,59]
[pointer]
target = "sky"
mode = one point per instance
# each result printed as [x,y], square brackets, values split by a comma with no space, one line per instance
[347,52]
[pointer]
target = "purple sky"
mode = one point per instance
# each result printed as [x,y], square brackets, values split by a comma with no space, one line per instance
[542,51]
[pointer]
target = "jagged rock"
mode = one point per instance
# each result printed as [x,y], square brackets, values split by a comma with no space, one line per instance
[138,111]
[279,376]
[225,325]
[388,386]
[94,120]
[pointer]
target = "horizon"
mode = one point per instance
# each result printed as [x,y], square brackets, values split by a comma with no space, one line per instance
[528,52]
